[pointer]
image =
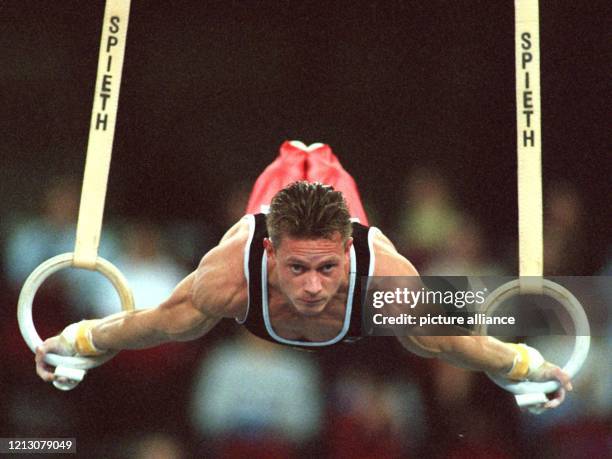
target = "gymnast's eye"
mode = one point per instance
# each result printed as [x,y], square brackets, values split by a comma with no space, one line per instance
[326,269]
[296,269]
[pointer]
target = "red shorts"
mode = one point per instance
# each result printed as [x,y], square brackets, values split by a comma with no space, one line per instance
[294,164]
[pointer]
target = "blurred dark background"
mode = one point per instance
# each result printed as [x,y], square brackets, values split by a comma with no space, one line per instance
[211,89]
[408,94]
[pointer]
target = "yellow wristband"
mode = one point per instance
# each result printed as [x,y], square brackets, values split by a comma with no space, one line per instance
[520,367]
[83,342]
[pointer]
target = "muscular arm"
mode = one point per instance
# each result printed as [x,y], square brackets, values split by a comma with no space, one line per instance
[176,319]
[480,353]
[197,304]
[214,291]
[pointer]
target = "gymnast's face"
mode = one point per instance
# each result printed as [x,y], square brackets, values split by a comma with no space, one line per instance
[310,272]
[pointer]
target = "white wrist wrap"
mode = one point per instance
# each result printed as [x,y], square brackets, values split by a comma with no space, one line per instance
[78,338]
[526,361]
[68,337]
[535,359]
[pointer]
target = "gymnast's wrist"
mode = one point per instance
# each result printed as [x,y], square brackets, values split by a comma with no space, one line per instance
[79,338]
[526,361]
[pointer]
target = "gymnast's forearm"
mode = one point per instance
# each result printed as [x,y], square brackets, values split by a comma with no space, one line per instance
[127,330]
[479,353]
[151,327]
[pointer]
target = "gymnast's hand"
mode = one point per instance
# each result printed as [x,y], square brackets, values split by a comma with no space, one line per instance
[75,340]
[54,345]
[550,372]
[529,365]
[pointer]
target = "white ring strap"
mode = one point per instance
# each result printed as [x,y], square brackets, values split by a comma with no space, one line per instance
[101,132]
[529,145]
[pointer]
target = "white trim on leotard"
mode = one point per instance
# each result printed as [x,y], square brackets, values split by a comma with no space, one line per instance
[347,314]
[247,250]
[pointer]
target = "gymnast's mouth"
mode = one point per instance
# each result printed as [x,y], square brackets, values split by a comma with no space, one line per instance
[311,302]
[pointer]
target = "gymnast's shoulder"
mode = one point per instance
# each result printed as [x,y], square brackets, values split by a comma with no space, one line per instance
[220,286]
[388,261]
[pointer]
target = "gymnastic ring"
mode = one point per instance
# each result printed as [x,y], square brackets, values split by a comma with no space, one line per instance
[579,319]
[26,299]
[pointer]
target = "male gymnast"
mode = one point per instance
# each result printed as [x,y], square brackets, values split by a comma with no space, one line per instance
[292,276]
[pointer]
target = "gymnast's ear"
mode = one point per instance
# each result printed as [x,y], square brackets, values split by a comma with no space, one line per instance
[348,244]
[269,247]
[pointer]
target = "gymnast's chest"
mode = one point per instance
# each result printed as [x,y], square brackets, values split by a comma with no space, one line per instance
[290,324]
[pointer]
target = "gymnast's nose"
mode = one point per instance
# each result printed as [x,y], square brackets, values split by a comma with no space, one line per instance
[313,285]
